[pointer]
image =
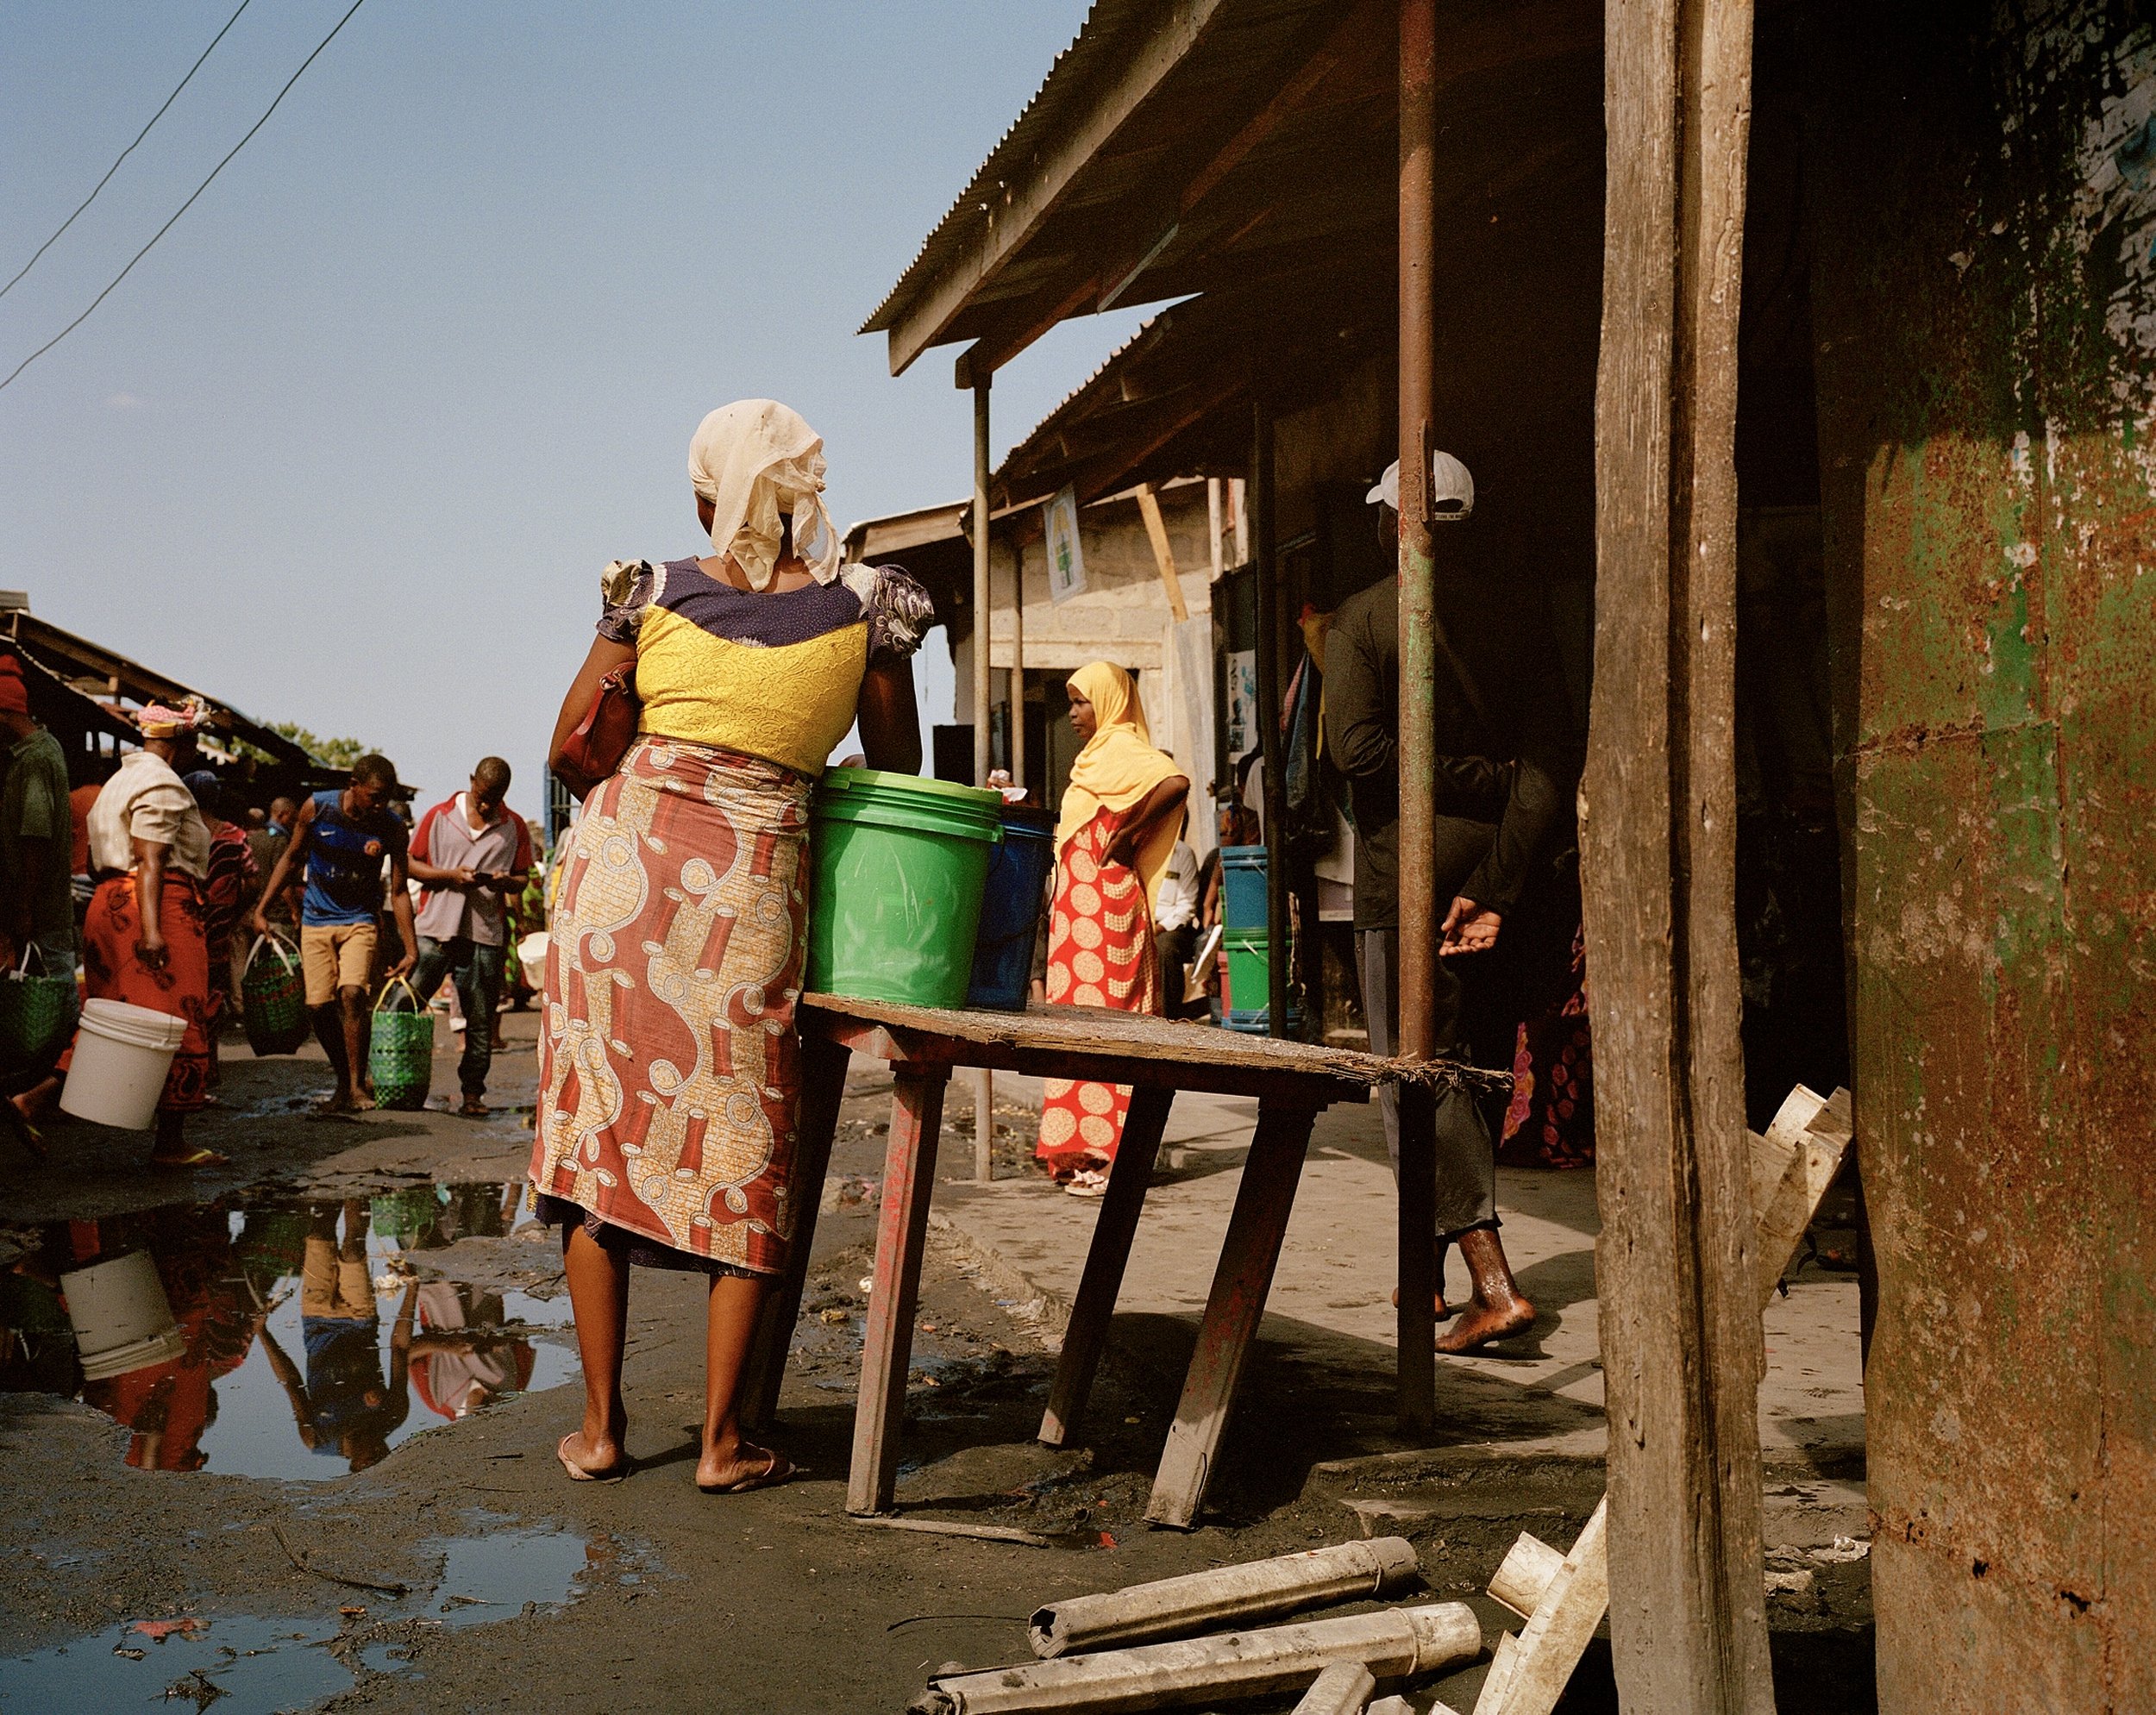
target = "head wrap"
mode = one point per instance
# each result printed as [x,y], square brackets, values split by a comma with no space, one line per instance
[1119,767]
[15,696]
[754,461]
[160,720]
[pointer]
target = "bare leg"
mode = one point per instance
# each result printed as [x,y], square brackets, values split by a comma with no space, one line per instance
[598,1296]
[329,1021]
[728,1461]
[355,1095]
[1438,1274]
[1498,1309]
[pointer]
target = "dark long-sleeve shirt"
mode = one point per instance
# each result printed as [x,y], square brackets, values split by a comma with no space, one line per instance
[1503,783]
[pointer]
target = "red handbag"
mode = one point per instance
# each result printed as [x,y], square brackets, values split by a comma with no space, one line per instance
[602,738]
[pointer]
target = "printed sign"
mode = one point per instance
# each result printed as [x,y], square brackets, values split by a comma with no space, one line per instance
[1066,558]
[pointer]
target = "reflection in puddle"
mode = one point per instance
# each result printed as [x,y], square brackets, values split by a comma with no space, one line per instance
[309,1332]
[247,1665]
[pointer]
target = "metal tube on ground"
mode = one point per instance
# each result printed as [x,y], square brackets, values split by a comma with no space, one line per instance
[1261,1589]
[1343,1688]
[1394,1644]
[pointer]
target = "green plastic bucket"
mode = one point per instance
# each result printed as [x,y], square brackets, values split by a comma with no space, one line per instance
[897,864]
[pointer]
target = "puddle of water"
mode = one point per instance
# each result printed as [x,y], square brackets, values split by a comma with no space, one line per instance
[244,1664]
[318,1336]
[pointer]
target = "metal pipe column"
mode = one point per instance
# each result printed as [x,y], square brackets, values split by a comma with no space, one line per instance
[1264,553]
[984,1081]
[1416,1038]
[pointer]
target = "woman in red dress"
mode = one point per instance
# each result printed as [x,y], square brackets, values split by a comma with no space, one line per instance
[1122,814]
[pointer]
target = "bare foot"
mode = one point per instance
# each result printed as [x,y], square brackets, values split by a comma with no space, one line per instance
[474,1108]
[740,1468]
[590,1459]
[1481,1323]
[1437,1304]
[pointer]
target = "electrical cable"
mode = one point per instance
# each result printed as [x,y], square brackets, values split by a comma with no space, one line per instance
[189,203]
[124,153]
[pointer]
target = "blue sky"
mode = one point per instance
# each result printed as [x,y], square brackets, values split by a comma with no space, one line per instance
[350,446]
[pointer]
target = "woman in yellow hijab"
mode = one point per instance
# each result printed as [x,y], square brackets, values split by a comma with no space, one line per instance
[1121,816]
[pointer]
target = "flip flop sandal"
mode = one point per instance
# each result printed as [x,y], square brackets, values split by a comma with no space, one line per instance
[1087,1184]
[777,1469]
[196,1157]
[23,1132]
[579,1475]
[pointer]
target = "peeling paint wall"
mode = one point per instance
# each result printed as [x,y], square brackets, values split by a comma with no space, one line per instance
[1984,199]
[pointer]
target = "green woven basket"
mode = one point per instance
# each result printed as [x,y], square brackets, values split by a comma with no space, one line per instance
[37,1015]
[400,1053]
[273,997]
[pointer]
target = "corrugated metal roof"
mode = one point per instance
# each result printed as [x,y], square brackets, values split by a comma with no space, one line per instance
[1071,79]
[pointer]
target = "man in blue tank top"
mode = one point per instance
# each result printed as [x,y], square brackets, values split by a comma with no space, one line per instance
[341,844]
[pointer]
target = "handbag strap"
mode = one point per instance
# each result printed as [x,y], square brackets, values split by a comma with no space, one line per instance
[276,944]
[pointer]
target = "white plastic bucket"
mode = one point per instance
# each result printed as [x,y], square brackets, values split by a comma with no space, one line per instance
[532,951]
[121,1317]
[122,1055]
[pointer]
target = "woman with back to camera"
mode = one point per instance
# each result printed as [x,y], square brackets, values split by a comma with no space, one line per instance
[668,1058]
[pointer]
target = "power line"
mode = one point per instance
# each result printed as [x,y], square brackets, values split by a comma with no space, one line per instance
[128,151]
[189,203]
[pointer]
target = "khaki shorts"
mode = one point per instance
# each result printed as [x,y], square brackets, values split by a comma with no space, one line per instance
[335,955]
[332,1284]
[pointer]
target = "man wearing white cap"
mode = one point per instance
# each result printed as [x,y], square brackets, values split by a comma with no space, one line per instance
[1501,767]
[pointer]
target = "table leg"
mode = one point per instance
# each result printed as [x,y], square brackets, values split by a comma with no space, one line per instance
[1416,1324]
[823,1089]
[1245,1276]
[909,1174]
[1104,1262]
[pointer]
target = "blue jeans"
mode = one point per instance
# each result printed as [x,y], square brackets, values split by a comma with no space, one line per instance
[476,971]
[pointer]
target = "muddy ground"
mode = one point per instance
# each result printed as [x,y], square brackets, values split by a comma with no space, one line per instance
[462,1571]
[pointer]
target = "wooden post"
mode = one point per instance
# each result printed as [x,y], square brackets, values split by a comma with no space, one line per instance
[1264,551]
[909,1175]
[1017,664]
[1680,1319]
[1164,554]
[984,1123]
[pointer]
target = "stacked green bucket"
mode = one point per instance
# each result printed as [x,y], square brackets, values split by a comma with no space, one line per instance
[899,864]
[400,1048]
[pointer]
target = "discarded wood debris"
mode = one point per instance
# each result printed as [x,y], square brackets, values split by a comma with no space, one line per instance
[1262,1589]
[945,1527]
[1563,1596]
[1343,1688]
[1391,1644]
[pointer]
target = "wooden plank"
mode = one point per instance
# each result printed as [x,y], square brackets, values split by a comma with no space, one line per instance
[1240,1283]
[1674,1261]
[1113,1229]
[1025,206]
[823,1090]
[1164,556]
[1558,1631]
[1122,1047]
[909,1175]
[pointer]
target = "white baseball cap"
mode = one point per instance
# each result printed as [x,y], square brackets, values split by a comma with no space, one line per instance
[1451,489]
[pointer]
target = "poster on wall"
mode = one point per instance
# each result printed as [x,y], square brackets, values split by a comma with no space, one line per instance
[1241,670]
[1066,559]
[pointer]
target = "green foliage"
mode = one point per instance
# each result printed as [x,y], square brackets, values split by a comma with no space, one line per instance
[330,753]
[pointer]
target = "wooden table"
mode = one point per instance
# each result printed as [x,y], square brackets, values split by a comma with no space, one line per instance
[1293,1082]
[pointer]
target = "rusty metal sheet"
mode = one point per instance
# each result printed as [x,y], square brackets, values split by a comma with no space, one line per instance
[1985,300]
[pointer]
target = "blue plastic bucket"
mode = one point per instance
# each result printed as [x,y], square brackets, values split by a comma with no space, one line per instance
[1011,911]
[1243,887]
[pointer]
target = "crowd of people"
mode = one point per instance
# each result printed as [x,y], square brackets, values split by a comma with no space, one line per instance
[158,885]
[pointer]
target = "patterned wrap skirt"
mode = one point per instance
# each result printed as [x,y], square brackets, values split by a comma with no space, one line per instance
[111,972]
[1099,953]
[668,1060]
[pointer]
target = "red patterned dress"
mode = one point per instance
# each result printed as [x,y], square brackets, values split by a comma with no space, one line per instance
[1099,953]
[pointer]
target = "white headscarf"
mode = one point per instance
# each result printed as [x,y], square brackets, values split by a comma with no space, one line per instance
[755,459]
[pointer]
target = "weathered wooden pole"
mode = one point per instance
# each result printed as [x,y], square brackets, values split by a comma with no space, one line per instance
[1017,663]
[1420,909]
[984,1081]
[1264,551]
[1681,1339]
